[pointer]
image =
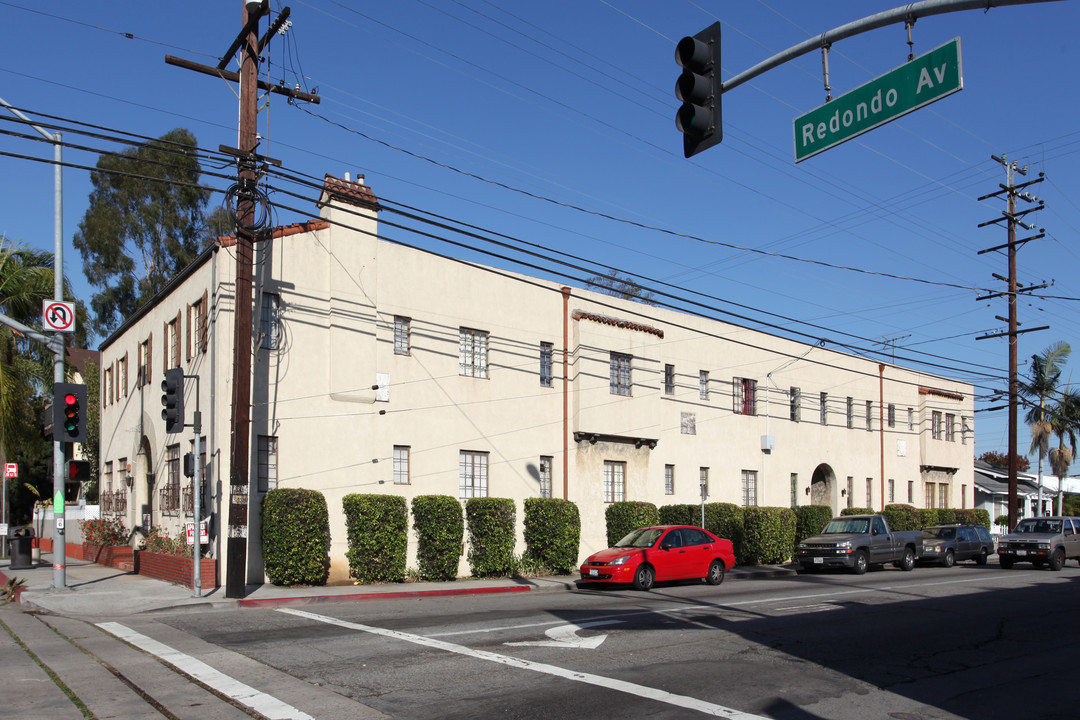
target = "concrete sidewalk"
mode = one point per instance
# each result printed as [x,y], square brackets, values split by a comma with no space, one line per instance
[98,591]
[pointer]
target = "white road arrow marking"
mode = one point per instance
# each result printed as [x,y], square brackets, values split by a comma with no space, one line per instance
[565,636]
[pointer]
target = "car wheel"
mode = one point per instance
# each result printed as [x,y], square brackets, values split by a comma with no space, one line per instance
[949,560]
[861,562]
[644,577]
[716,573]
[1006,563]
[1057,560]
[980,559]
[907,563]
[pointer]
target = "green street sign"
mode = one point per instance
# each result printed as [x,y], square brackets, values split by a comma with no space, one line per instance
[909,87]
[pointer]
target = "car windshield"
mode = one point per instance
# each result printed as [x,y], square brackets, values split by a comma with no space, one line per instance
[640,538]
[1037,525]
[846,526]
[939,533]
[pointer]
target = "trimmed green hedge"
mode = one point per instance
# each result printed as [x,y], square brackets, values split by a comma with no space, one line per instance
[680,515]
[296,537]
[622,517]
[378,530]
[810,520]
[936,516]
[491,536]
[770,534]
[552,534]
[440,529]
[857,511]
[973,516]
[902,518]
[726,520]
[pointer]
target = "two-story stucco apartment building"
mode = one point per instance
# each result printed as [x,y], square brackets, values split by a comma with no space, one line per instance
[379,368]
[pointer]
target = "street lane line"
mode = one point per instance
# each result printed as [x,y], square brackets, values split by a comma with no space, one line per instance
[598,680]
[258,701]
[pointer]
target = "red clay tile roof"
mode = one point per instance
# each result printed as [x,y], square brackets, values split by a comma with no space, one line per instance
[626,324]
[280,232]
[353,192]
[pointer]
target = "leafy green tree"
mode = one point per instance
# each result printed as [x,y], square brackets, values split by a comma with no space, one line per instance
[145,223]
[1001,460]
[1065,422]
[620,286]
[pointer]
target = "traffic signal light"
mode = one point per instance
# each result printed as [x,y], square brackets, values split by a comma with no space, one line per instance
[78,471]
[172,401]
[69,412]
[699,88]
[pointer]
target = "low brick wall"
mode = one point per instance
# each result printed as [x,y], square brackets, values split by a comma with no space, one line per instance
[175,569]
[112,556]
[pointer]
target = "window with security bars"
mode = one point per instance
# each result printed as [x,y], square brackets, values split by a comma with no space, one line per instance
[703,384]
[950,427]
[267,450]
[669,379]
[943,495]
[935,425]
[402,327]
[749,488]
[869,415]
[401,464]
[269,321]
[744,396]
[669,479]
[703,482]
[614,481]
[892,415]
[170,494]
[472,474]
[850,412]
[850,491]
[869,492]
[545,475]
[620,374]
[547,351]
[795,400]
[824,408]
[473,353]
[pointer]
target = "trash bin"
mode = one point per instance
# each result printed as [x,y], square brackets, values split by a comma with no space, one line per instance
[20,544]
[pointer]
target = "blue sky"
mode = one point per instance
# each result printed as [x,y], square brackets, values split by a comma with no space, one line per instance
[553,123]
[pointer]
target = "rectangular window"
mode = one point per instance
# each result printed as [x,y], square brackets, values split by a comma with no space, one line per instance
[890,487]
[824,408]
[703,384]
[910,419]
[401,464]
[964,430]
[170,494]
[744,397]
[892,415]
[473,474]
[269,322]
[935,425]
[546,353]
[869,415]
[669,479]
[928,492]
[850,491]
[749,488]
[267,463]
[669,379]
[107,477]
[108,396]
[620,374]
[911,491]
[196,328]
[614,481]
[172,344]
[950,427]
[795,400]
[869,492]
[794,490]
[472,353]
[703,482]
[402,330]
[943,495]
[546,462]
[850,412]
[122,377]
[144,361]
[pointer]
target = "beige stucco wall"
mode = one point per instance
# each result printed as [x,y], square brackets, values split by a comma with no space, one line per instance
[340,289]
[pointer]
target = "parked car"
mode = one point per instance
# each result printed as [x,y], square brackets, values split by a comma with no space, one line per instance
[1041,541]
[857,542]
[949,544]
[661,553]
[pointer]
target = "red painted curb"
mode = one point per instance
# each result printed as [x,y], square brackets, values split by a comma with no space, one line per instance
[319,599]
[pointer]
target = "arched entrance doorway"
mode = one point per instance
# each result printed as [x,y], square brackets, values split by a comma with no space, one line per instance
[822,485]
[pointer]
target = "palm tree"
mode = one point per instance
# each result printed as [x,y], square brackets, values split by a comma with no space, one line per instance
[1066,425]
[1045,376]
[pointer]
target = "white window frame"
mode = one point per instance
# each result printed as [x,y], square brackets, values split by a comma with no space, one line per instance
[401,465]
[614,481]
[267,450]
[547,462]
[547,364]
[473,353]
[621,374]
[749,488]
[402,335]
[269,325]
[669,479]
[472,474]
[669,379]
[744,396]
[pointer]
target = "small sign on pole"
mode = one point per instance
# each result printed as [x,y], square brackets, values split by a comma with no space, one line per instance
[204,533]
[11,470]
[58,316]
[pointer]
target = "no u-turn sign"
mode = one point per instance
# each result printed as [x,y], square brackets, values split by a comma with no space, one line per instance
[58,316]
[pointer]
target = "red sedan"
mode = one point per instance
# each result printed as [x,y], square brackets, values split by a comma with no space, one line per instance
[664,552]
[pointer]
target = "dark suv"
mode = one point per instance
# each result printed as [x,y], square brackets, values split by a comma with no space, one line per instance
[948,544]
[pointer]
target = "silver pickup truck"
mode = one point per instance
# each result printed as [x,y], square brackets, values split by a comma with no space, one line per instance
[1041,541]
[857,542]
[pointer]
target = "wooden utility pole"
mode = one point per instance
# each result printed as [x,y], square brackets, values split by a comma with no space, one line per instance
[1012,192]
[247,229]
